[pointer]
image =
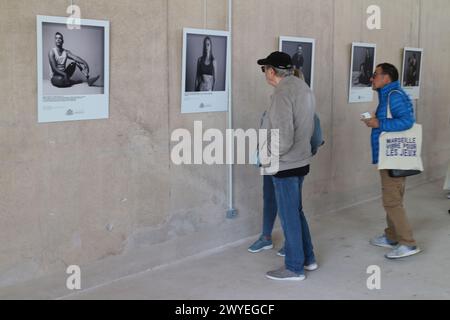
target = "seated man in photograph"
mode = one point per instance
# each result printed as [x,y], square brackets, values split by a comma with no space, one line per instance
[60,73]
[364,76]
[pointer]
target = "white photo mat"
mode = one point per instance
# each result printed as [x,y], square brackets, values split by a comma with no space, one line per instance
[412,91]
[300,40]
[66,106]
[361,94]
[205,101]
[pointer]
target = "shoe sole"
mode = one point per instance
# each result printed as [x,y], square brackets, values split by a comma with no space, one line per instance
[383,245]
[312,267]
[286,279]
[411,253]
[281,255]
[263,248]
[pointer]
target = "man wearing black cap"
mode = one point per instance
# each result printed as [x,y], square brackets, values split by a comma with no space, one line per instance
[291,112]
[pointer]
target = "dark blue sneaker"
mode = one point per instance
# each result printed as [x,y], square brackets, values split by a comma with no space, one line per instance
[281,252]
[261,244]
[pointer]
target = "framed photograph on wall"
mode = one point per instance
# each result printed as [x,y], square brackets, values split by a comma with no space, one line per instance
[205,71]
[302,52]
[72,70]
[412,71]
[361,70]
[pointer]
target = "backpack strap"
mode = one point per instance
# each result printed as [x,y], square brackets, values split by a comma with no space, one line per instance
[389,113]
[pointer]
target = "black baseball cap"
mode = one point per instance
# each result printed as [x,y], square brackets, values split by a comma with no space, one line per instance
[277,59]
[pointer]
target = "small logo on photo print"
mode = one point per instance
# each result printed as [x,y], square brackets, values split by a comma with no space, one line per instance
[69,112]
[204,105]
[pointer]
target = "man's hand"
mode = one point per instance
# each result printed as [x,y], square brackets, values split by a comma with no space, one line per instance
[372,122]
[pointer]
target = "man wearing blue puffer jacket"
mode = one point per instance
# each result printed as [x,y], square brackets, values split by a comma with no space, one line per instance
[398,236]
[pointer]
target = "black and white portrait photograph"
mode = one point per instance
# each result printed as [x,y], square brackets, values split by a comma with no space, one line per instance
[302,52]
[73,60]
[362,69]
[205,71]
[73,63]
[412,69]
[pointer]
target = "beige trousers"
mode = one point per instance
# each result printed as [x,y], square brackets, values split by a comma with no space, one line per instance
[399,229]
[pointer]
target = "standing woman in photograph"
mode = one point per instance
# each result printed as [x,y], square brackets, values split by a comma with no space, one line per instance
[412,71]
[206,68]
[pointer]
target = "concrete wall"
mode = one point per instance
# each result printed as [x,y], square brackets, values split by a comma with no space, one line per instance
[79,192]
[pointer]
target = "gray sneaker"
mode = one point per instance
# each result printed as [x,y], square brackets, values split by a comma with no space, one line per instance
[261,244]
[402,251]
[383,241]
[284,274]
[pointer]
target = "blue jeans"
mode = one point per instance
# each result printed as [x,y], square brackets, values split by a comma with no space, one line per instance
[287,197]
[270,206]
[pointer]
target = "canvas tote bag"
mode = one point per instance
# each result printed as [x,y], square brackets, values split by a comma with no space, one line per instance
[401,150]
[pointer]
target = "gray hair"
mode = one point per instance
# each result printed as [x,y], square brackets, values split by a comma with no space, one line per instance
[299,74]
[283,73]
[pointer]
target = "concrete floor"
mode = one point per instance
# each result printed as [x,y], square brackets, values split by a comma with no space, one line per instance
[343,253]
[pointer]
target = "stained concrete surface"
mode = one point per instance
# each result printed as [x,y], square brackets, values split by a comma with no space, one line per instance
[343,253]
[89,192]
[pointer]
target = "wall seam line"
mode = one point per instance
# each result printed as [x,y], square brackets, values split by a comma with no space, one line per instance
[419,44]
[168,98]
[333,91]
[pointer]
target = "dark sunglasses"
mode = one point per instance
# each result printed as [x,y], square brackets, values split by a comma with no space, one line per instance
[263,68]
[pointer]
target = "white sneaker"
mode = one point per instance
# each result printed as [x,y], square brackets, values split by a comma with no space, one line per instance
[312,267]
[402,251]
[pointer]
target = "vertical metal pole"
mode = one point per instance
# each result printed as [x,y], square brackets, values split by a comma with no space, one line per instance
[232,212]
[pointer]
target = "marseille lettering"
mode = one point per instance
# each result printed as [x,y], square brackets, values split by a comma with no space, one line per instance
[401,147]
